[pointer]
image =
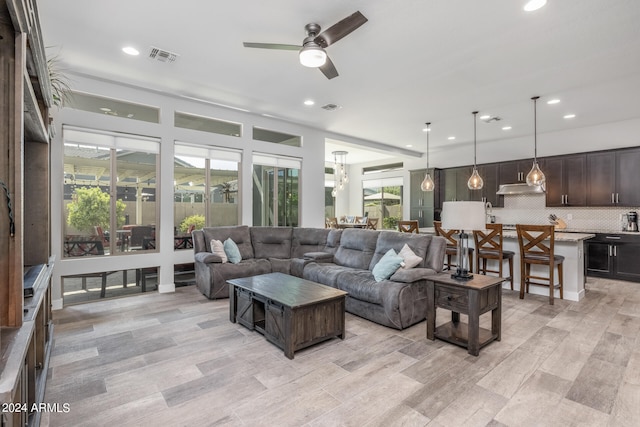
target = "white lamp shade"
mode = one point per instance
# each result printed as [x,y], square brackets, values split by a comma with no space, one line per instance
[463,216]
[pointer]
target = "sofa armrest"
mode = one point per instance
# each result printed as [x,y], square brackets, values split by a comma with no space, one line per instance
[412,274]
[207,258]
[319,256]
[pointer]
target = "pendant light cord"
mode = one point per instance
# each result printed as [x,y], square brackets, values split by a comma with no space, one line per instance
[428,124]
[535,129]
[474,137]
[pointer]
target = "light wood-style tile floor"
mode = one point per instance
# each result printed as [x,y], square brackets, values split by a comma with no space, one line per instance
[176,360]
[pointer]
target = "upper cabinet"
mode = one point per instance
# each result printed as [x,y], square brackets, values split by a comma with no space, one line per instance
[566,180]
[613,178]
[515,171]
[489,174]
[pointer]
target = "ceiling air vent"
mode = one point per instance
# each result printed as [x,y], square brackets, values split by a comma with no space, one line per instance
[331,107]
[162,55]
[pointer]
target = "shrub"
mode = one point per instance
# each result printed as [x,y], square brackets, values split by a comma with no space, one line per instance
[91,207]
[196,220]
[390,222]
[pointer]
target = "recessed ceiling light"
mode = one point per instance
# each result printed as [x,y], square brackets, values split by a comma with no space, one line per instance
[485,117]
[309,102]
[570,116]
[553,101]
[451,138]
[409,145]
[534,5]
[506,128]
[130,50]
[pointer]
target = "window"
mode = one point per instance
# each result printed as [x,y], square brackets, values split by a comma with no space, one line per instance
[266,135]
[382,198]
[112,107]
[206,187]
[207,124]
[109,189]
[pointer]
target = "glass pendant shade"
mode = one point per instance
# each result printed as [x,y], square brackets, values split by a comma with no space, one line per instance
[427,183]
[535,175]
[475,181]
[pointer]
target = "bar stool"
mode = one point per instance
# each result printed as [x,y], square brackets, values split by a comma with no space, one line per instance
[410,226]
[533,250]
[489,246]
[452,245]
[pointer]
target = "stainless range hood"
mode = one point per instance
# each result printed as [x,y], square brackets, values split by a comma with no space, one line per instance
[506,189]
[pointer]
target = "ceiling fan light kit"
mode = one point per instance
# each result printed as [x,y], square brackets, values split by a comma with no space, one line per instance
[313,56]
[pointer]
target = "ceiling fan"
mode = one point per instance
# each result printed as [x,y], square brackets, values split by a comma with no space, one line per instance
[312,53]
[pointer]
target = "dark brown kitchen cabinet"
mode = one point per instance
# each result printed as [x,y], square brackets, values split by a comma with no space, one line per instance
[566,180]
[423,203]
[453,184]
[614,256]
[613,178]
[515,171]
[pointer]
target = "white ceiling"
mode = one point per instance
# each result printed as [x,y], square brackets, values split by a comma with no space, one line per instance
[415,60]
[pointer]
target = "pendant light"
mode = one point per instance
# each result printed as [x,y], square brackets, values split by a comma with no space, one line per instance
[427,182]
[475,180]
[535,175]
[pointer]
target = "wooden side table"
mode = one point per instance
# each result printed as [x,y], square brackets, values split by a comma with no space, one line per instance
[471,297]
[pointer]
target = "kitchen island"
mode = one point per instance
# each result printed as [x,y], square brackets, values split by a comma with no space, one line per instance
[568,244]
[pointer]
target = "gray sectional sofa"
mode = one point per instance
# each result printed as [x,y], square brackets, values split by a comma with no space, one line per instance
[343,259]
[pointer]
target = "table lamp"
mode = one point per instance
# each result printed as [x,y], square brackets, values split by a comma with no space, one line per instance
[463,216]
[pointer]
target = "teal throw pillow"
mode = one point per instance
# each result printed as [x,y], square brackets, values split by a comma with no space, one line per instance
[232,251]
[387,265]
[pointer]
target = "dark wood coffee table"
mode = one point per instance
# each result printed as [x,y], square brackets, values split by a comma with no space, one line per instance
[291,312]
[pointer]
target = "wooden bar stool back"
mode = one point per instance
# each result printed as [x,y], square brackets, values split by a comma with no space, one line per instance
[488,245]
[452,245]
[408,227]
[537,248]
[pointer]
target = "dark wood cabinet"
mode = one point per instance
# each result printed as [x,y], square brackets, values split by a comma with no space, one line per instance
[613,178]
[566,180]
[514,171]
[453,184]
[489,174]
[614,256]
[423,203]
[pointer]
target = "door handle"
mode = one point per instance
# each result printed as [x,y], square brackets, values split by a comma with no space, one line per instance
[615,251]
[613,199]
[617,200]
[610,251]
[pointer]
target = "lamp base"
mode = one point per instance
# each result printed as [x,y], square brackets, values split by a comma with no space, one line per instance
[462,275]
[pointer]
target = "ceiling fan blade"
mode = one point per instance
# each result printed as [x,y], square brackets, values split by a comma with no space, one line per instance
[328,69]
[340,29]
[272,46]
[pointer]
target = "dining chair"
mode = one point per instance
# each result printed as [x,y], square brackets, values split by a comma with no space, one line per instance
[410,226]
[488,246]
[372,223]
[330,222]
[452,245]
[537,245]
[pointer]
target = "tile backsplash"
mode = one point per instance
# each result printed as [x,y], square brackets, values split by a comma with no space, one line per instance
[532,209]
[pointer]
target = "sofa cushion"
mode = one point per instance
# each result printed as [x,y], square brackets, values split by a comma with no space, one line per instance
[271,242]
[232,251]
[361,285]
[325,273]
[409,258]
[357,248]
[238,233]
[387,265]
[245,268]
[333,240]
[308,240]
[412,274]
